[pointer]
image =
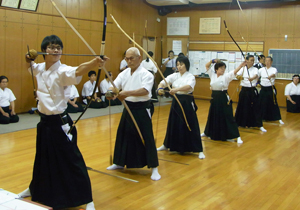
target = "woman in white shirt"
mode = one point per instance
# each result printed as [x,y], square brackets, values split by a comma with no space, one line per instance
[150,66]
[7,98]
[292,93]
[220,123]
[178,137]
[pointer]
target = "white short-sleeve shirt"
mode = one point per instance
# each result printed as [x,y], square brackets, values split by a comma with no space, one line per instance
[177,80]
[264,73]
[141,78]
[150,66]
[74,92]
[104,85]
[171,63]
[292,89]
[221,82]
[123,64]
[6,96]
[54,86]
[88,88]
[244,73]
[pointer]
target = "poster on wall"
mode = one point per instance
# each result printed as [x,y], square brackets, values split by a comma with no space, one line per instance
[177,47]
[178,26]
[210,25]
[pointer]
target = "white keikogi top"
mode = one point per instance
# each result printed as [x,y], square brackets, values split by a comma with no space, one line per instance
[243,72]
[141,78]
[74,92]
[264,81]
[87,90]
[150,66]
[104,85]
[171,63]
[221,82]
[292,89]
[6,96]
[177,80]
[54,86]
[123,64]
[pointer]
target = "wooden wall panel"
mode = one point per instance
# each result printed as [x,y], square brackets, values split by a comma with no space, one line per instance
[2,48]
[13,16]
[256,24]
[85,9]
[13,50]
[272,26]
[96,10]
[286,22]
[72,8]
[45,7]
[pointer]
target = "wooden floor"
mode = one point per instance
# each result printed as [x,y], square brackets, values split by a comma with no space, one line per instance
[262,173]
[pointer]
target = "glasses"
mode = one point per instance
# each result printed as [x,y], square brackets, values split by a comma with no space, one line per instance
[131,58]
[53,48]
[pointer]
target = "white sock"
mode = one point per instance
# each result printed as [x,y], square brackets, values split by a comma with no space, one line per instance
[201,155]
[90,206]
[203,135]
[114,167]
[239,140]
[162,147]
[281,122]
[262,129]
[155,175]
[25,193]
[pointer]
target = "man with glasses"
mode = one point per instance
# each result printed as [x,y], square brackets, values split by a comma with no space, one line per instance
[60,178]
[136,83]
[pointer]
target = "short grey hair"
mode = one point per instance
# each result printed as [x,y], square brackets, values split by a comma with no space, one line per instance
[135,50]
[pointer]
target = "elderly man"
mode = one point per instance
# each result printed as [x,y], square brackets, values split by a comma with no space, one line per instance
[136,83]
[268,95]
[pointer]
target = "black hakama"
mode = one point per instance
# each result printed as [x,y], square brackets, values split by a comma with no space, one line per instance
[153,90]
[294,108]
[247,111]
[96,105]
[60,178]
[72,109]
[268,106]
[168,71]
[10,119]
[178,137]
[113,102]
[129,148]
[221,124]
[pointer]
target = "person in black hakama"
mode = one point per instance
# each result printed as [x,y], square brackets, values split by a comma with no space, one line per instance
[268,106]
[136,83]
[150,66]
[292,93]
[104,86]
[170,63]
[73,105]
[220,123]
[247,113]
[87,92]
[7,99]
[60,178]
[178,137]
